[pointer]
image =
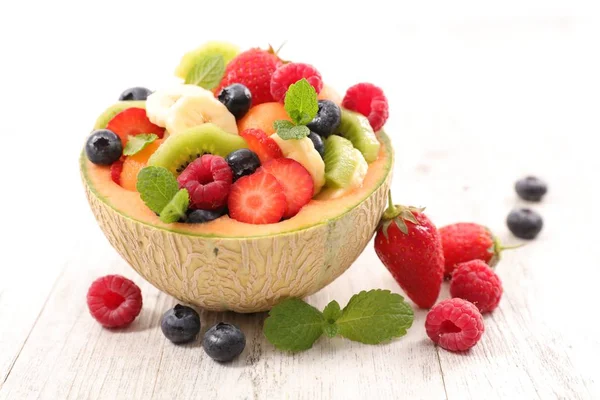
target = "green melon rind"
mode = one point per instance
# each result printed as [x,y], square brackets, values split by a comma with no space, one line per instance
[113,110]
[388,166]
[356,128]
[213,139]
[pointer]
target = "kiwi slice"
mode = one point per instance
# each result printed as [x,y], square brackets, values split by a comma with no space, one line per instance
[113,110]
[176,152]
[356,128]
[209,49]
[340,161]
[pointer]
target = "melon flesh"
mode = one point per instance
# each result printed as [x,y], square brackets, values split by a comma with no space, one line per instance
[229,265]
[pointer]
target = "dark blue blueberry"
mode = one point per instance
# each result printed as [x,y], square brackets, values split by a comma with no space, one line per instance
[237,98]
[135,93]
[180,324]
[318,142]
[327,120]
[531,188]
[223,342]
[524,223]
[202,216]
[242,162]
[103,147]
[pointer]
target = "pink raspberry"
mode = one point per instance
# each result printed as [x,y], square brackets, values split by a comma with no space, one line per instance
[368,100]
[114,301]
[208,181]
[476,282]
[454,324]
[291,73]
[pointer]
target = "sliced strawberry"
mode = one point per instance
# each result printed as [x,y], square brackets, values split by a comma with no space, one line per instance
[131,122]
[115,171]
[297,183]
[257,199]
[265,147]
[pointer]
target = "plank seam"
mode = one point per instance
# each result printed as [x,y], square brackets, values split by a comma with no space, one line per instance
[437,353]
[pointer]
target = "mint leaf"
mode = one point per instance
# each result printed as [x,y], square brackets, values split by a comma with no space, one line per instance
[282,124]
[207,73]
[301,102]
[332,312]
[375,316]
[293,325]
[157,187]
[176,208]
[295,132]
[137,143]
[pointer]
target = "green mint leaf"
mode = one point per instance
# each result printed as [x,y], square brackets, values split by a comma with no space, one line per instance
[137,143]
[293,325]
[331,330]
[332,312]
[281,124]
[176,208]
[295,132]
[375,316]
[207,73]
[157,187]
[301,102]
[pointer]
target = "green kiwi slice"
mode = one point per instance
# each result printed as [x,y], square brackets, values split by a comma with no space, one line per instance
[177,151]
[356,128]
[209,49]
[113,110]
[340,161]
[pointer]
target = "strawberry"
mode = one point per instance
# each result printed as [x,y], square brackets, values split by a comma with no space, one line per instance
[296,181]
[115,171]
[466,241]
[265,148]
[131,122]
[409,245]
[257,199]
[252,68]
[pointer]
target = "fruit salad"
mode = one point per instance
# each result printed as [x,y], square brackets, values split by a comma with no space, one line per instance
[244,135]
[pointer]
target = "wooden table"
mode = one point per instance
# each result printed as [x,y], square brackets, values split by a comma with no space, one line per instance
[476,104]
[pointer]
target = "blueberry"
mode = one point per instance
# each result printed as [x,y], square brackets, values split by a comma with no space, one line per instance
[224,342]
[531,188]
[242,162]
[318,142]
[327,120]
[237,98]
[202,216]
[135,93]
[180,324]
[103,147]
[524,223]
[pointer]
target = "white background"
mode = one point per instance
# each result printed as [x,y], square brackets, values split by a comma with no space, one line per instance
[501,89]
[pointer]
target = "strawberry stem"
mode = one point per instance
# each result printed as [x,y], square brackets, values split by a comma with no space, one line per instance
[516,246]
[391,206]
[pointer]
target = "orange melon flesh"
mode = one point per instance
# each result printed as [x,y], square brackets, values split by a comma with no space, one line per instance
[316,212]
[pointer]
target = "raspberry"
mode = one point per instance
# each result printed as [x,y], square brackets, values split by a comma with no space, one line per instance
[291,73]
[370,101]
[476,282]
[208,181]
[114,301]
[454,324]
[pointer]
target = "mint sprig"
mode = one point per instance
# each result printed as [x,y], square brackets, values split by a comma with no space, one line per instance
[137,143]
[302,106]
[370,317]
[160,191]
[207,73]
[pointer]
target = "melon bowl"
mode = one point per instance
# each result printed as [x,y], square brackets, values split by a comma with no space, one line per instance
[229,265]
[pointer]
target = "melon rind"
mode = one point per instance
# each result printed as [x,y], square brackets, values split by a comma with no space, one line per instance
[248,274]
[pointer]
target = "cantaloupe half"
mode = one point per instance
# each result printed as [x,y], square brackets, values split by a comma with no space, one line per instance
[230,265]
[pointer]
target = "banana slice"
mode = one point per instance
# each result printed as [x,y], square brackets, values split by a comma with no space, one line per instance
[358,176]
[304,152]
[191,111]
[160,102]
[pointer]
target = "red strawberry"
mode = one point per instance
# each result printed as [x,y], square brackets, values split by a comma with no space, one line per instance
[257,199]
[467,241]
[131,122]
[265,148]
[409,245]
[252,68]
[296,181]
[115,171]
